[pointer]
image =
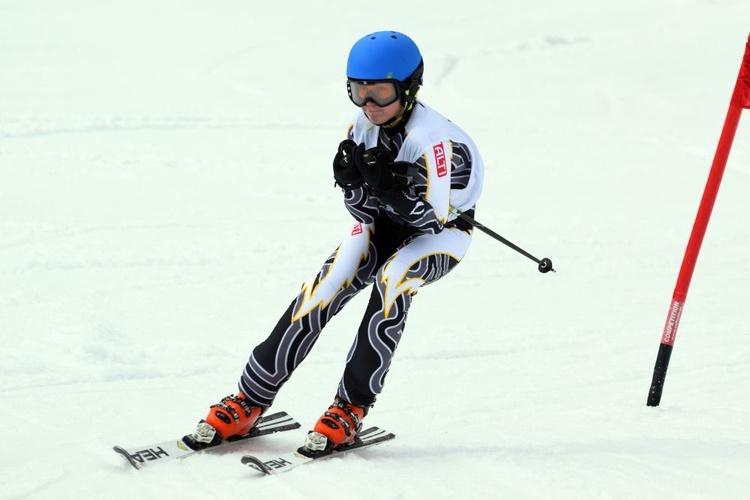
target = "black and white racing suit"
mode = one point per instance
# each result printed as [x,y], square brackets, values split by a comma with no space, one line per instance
[398,243]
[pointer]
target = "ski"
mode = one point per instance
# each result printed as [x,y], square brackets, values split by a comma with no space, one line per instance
[142,456]
[289,461]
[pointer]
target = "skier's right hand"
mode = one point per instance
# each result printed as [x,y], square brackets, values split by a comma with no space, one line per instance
[345,172]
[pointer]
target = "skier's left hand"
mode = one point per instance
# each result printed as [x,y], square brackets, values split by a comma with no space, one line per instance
[373,164]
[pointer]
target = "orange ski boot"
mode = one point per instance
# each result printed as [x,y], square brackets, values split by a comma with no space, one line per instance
[234,416]
[337,427]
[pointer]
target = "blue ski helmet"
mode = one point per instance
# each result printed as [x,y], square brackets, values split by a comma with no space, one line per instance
[387,55]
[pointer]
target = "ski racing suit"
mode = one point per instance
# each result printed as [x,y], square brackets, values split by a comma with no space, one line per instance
[397,246]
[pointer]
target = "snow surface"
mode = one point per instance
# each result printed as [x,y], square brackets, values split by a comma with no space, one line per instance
[165,188]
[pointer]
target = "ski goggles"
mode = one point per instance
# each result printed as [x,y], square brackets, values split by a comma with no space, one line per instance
[381,93]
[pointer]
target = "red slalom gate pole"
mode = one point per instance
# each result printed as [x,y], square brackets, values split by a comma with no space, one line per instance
[740,100]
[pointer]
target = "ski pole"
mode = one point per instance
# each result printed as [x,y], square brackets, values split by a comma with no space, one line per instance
[545,265]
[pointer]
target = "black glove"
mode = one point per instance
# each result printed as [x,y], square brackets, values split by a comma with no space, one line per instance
[345,171]
[373,165]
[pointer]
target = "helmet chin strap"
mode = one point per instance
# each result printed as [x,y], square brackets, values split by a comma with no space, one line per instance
[393,122]
[403,117]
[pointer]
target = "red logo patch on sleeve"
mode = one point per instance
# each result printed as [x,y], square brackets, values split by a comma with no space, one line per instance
[442,167]
[357,229]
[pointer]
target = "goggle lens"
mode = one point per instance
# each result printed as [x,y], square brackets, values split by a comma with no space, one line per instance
[381,93]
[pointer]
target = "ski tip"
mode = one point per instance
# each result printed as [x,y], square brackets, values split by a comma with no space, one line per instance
[257,464]
[124,453]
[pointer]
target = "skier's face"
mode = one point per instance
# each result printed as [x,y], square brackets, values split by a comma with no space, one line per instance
[380,115]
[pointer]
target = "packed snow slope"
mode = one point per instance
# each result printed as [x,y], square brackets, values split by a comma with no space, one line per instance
[165,189]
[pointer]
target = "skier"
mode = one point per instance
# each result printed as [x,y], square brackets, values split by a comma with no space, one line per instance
[401,169]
